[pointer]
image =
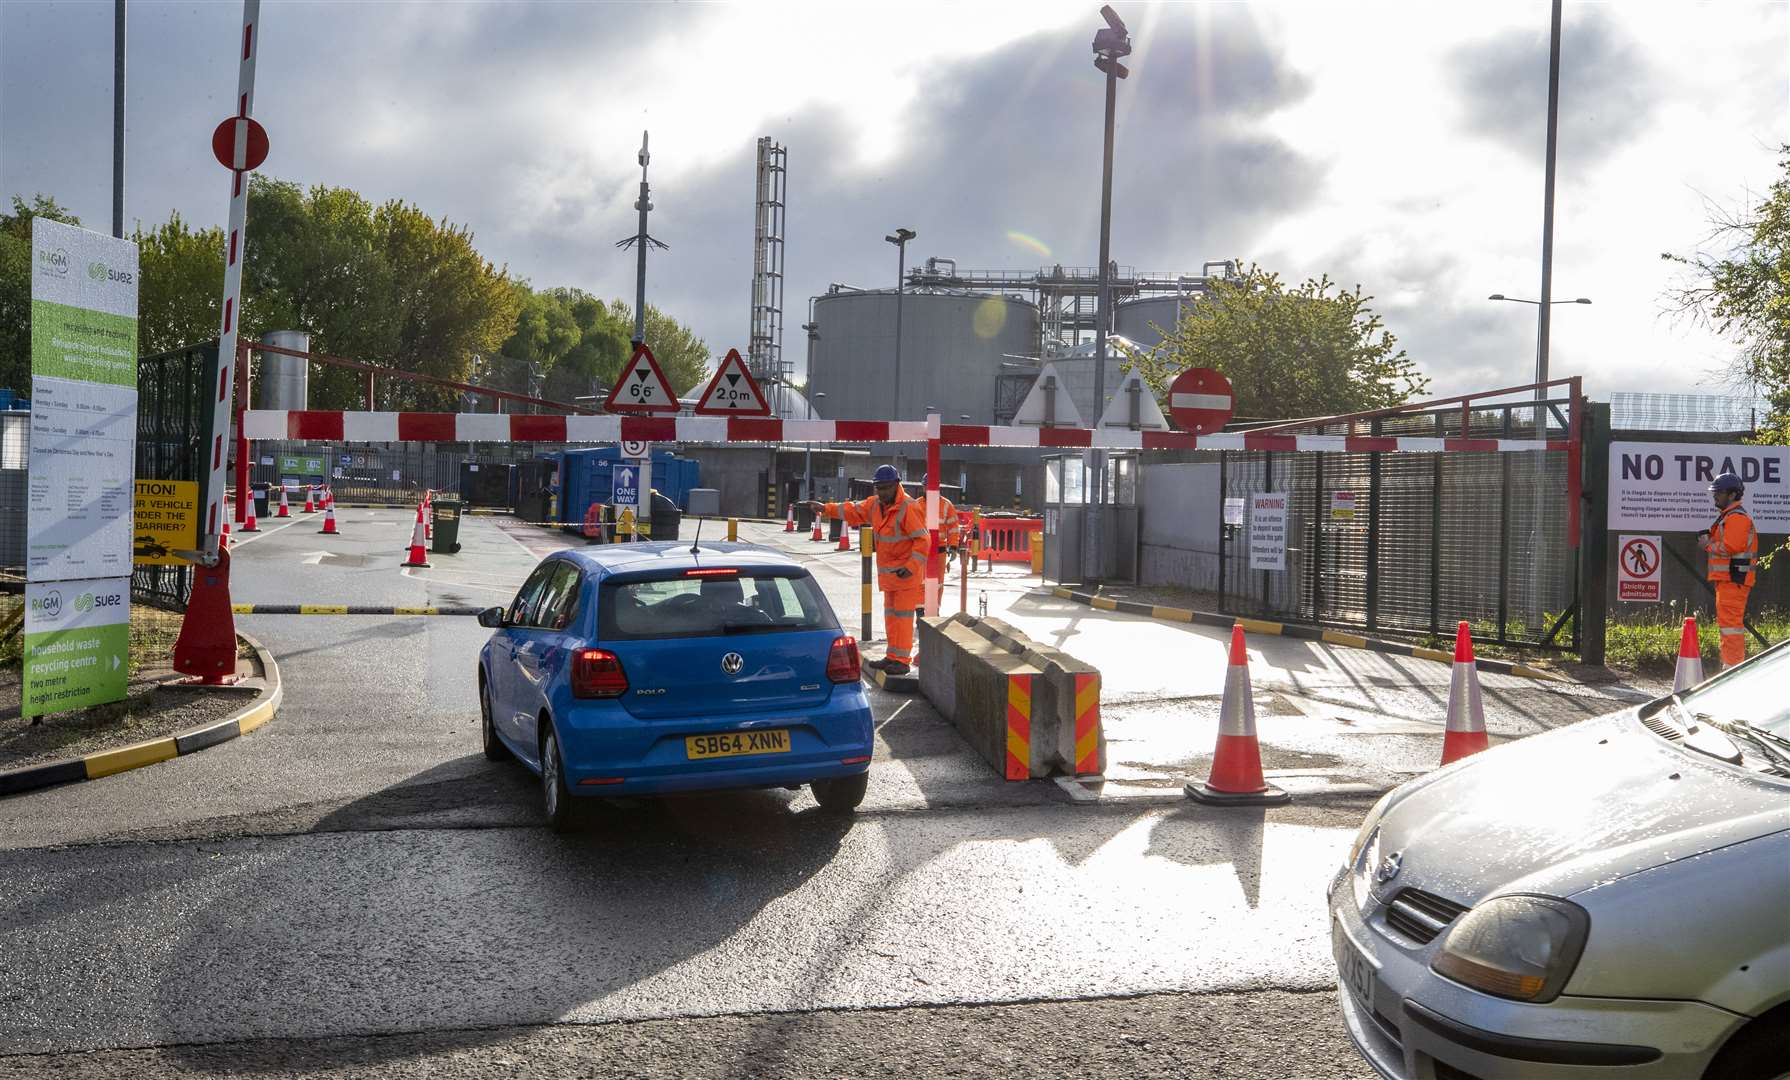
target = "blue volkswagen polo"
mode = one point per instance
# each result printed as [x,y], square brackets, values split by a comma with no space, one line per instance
[646,669]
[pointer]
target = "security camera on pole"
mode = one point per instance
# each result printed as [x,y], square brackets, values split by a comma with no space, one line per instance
[1110,44]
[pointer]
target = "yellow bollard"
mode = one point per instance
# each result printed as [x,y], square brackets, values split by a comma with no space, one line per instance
[865,550]
[733,530]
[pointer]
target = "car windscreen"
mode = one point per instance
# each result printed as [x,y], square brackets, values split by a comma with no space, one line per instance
[1754,693]
[710,603]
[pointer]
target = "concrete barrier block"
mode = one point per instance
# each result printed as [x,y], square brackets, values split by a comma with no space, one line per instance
[1029,710]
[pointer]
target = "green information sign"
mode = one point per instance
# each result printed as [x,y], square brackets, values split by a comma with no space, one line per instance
[77,643]
[301,466]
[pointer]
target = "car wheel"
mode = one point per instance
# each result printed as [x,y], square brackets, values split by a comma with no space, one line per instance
[841,796]
[495,750]
[555,799]
[1761,1052]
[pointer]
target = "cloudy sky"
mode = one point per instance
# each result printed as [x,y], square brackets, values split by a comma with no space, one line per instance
[1394,145]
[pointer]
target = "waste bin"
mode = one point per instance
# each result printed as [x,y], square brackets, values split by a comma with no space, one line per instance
[666,518]
[445,513]
[260,491]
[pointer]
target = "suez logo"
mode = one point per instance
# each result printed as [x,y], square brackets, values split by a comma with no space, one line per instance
[99,271]
[53,261]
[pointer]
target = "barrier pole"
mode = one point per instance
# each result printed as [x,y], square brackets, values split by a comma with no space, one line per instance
[963,583]
[733,530]
[864,560]
[935,561]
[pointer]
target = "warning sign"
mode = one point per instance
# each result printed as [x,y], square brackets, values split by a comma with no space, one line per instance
[1637,568]
[733,391]
[1342,506]
[1268,531]
[167,520]
[642,386]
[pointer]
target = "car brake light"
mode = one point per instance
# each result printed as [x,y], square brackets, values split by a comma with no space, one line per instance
[597,673]
[842,660]
[704,571]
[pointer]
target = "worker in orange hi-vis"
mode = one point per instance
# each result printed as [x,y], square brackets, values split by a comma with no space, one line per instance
[1732,544]
[950,528]
[898,522]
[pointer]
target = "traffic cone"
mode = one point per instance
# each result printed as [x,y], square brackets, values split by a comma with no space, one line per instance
[248,521]
[1690,659]
[1466,711]
[1236,778]
[417,556]
[844,540]
[285,507]
[789,523]
[329,522]
[419,522]
[310,505]
[329,499]
[817,535]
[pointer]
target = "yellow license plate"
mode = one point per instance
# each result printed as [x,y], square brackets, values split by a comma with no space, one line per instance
[737,744]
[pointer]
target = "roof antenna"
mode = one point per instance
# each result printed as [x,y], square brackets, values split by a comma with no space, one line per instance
[697,539]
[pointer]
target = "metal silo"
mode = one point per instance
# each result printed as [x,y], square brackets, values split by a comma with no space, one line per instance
[1132,318]
[952,348]
[285,381]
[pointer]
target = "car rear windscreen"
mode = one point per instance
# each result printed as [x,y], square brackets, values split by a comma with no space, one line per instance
[711,606]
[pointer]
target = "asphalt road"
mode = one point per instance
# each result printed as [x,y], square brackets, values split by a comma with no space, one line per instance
[354,890]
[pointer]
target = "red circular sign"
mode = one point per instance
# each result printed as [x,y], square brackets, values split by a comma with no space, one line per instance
[223,144]
[1200,400]
[593,521]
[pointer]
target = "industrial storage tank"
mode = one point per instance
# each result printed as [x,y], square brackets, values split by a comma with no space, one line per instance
[1132,318]
[285,381]
[953,345]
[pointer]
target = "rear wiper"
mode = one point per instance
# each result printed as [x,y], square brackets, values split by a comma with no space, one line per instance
[1771,745]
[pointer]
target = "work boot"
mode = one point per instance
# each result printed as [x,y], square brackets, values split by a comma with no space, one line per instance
[895,667]
[876,665]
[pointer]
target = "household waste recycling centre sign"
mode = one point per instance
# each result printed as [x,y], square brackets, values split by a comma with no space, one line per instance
[82,468]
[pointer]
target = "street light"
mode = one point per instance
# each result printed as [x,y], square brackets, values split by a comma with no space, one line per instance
[1110,44]
[899,238]
[1520,300]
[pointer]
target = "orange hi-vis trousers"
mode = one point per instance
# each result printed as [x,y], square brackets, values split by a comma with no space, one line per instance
[900,608]
[1730,616]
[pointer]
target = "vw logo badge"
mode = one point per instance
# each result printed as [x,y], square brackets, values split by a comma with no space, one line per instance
[732,663]
[1389,868]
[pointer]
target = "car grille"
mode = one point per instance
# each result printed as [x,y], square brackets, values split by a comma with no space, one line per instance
[1387,1028]
[1445,1071]
[1421,916]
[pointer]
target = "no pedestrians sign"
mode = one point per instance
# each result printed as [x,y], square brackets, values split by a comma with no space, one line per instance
[1637,568]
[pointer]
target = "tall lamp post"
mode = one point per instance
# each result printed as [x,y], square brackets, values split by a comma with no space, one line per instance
[1110,44]
[1544,314]
[899,238]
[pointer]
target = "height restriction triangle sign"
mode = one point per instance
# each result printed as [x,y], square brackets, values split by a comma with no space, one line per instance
[641,387]
[733,391]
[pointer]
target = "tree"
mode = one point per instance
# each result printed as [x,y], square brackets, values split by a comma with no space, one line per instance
[15,286]
[180,274]
[1744,293]
[1313,350]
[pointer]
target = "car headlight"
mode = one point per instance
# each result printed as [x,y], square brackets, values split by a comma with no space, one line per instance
[1518,947]
[1368,825]
[1361,867]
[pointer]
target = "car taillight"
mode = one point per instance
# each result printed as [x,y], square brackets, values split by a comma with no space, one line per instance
[842,661]
[597,673]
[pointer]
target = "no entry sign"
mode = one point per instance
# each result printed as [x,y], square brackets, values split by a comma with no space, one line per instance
[1200,400]
[239,143]
[1637,568]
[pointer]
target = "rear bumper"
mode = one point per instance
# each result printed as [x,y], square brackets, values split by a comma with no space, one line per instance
[601,742]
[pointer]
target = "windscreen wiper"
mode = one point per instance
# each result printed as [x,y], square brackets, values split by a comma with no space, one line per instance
[1758,737]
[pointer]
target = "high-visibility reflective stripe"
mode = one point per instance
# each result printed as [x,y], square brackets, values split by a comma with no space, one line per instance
[901,614]
[1733,630]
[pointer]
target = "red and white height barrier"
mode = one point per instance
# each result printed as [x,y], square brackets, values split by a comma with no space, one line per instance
[339,426]
[233,251]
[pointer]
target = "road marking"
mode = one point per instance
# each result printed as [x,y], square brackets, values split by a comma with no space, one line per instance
[239,540]
[506,590]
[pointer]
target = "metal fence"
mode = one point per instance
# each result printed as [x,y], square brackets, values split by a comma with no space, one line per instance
[395,474]
[173,433]
[1431,538]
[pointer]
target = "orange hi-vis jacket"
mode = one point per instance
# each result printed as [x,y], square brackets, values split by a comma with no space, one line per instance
[902,539]
[1733,544]
[950,529]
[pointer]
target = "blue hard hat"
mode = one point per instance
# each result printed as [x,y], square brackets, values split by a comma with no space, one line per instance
[1728,482]
[886,474]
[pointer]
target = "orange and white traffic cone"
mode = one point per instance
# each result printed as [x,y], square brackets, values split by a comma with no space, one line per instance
[329,499]
[329,522]
[1690,659]
[310,506]
[789,523]
[1466,709]
[817,534]
[844,540]
[285,507]
[418,557]
[1236,778]
[248,521]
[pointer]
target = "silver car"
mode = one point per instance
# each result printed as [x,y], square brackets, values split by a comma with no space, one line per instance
[1608,899]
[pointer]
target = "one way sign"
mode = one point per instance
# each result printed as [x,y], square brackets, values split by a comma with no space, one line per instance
[642,387]
[733,391]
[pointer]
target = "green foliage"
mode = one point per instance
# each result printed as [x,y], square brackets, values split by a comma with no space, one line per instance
[1744,292]
[1310,350]
[683,356]
[15,286]
[180,274]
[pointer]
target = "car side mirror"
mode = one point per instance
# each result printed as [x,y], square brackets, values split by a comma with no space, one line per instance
[491,617]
